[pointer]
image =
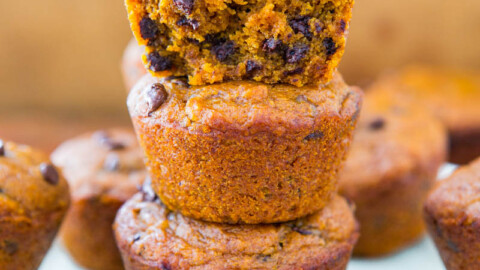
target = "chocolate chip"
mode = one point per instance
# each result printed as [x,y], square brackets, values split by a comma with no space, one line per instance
[112,162]
[158,62]
[215,39]
[377,124]
[185,6]
[302,231]
[318,27]
[330,46]
[148,28]
[295,71]
[105,140]
[252,66]
[156,96]
[315,135]
[165,266]
[136,237]
[273,45]
[452,246]
[343,25]
[297,53]
[224,50]
[2,148]
[300,25]
[9,247]
[49,173]
[184,21]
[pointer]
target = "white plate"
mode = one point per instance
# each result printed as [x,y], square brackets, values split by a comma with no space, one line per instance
[422,256]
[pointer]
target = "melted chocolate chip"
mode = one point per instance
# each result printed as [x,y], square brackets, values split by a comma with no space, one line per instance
[185,6]
[165,266]
[9,247]
[112,162]
[300,25]
[215,39]
[136,237]
[315,135]
[158,62]
[377,124]
[273,45]
[252,66]
[223,51]
[343,25]
[2,148]
[330,46]
[298,70]
[148,28]
[156,96]
[49,173]
[105,140]
[184,21]
[297,53]
[318,27]
[302,231]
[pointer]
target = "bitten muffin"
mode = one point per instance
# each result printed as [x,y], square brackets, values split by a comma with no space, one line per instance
[451,95]
[242,151]
[132,66]
[104,169]
[452,214]
[150,236]
[34,198]
[296,42]
[393,161]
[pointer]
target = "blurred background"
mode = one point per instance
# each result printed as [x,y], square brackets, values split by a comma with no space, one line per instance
[60,75]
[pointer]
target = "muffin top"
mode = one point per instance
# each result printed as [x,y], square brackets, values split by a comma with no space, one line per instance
[392,140]
[242,106]
[451,95]
[107,162]
[149,230]
[29,184]
[457,198]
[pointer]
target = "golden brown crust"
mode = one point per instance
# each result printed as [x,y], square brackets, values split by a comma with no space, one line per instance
[279,41]
[395,155]
[451,95]
[132,66]
[244,152]
[152,237]
[452,214]
[33,201]
[104,169]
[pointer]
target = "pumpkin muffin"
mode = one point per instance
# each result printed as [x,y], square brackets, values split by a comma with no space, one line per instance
[150,236]
[275,41]
[132,66]
[243,151]
[452,214]
[104,169]
[393,161]
[34,198]
[451,95]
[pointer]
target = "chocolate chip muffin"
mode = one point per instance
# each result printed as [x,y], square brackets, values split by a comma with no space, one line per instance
[150,236]
[395,155]
[452,214]
[451,95]
[34,198]
[132,66]
[296,42]
[243,151]
[104,169]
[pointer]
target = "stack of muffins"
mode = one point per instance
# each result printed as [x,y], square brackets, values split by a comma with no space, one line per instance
[244,123]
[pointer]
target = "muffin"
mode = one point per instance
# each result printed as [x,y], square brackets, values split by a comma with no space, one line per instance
[451,95]
[104,169]
[34,198]
[132,66]
[296,42]
[150,236]
[243,151]
[452,214]
[393,161]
